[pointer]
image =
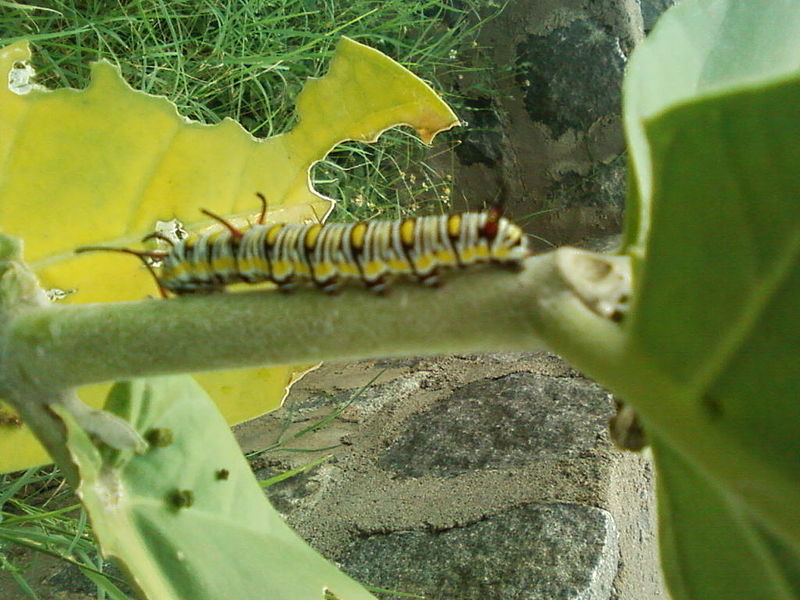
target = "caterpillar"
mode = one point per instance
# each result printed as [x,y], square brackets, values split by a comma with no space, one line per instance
[331,254]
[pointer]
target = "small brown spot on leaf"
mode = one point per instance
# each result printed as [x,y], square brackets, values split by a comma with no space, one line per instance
[159,437]
[9,418]
[180,498]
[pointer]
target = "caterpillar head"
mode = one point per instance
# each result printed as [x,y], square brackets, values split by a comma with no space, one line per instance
[507,242]
[510,243]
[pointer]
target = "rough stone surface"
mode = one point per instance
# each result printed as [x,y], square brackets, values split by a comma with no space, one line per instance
[464,477]
[529,419]
[537,552]
[456,477]
[550,65]
[550,138]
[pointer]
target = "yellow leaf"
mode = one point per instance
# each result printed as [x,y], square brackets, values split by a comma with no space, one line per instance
[101,166]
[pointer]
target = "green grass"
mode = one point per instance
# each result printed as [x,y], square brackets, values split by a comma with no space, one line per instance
[247,61]
[39,513]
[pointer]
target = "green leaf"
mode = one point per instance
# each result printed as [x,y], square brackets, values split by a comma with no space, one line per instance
[699,49]
[712,358]
[705,531]
[188,519]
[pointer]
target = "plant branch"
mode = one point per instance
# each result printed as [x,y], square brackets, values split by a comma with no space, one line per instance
[490,310]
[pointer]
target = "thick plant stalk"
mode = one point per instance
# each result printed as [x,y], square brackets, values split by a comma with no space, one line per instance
[485,310]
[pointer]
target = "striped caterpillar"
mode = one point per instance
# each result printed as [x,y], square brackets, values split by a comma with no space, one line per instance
[331,254]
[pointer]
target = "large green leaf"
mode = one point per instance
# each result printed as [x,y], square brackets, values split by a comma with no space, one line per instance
[700,49]
[713,336]
[188,519]
[711,547]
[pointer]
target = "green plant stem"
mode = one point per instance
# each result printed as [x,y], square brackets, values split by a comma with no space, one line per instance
[49,350]
[490,310]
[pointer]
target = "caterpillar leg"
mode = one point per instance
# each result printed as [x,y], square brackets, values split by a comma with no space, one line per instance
[286,286]
[514,266]
[431,279]
[379,286]
[331,286]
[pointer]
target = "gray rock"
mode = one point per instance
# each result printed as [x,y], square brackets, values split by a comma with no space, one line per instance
[536,552]
[468,477]
[570,75]
[550,138]
[496,423]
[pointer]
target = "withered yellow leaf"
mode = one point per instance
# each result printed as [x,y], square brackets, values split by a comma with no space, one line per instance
[102,166]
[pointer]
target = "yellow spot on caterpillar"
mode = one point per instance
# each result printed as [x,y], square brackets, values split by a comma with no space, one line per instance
[446,257]
[324,270]
[477,253]
[482,251]
[273,232]
[425,263]
[179,271]
[224,264]
[311,236]
[399,265]
[280,269]
[348,269]
[357,236]
[245,264]
[407,232]
[373,269]
[259,265]
[301,267]
[454,225]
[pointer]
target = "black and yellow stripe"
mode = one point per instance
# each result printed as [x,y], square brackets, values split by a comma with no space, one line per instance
[332,254]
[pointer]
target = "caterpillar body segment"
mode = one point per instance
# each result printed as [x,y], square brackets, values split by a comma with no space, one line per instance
[330,255]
